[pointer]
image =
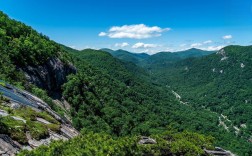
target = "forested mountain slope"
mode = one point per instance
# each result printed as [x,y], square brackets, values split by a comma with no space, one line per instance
[220,82]
[158,60]
[167,59]
[127,56]
[135,101]
[27,56]
[28,59]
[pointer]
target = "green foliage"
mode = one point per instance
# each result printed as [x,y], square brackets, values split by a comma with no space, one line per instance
[37,130]
[135,58]
[44,96]
[106,96]
[98,106]
[142,95]
[217,83]
[89,143]
[17,129]
[23,44]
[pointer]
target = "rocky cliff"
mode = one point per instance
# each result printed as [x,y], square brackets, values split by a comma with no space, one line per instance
[27,122]
[50,75]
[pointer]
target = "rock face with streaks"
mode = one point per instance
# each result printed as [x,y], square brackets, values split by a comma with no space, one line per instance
[21,98]
[147,140]
[8,146]
[218,152]
[49,76]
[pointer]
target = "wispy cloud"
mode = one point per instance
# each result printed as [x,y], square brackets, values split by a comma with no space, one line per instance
[73,46]
[208,42]
[102,34]
[205,45]
[122,45]
[143,45]
[226,37]
[196,45]
[200,44]
[213,48]
[138,31]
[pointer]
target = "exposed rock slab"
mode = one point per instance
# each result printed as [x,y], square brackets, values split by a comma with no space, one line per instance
[7,146]
[43,121]
[3,113]
[68,131]
[147,140]
[218,152]
[19,119]
[52,136]
[18,98]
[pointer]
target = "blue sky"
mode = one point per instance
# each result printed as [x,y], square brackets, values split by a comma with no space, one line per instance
[138,25]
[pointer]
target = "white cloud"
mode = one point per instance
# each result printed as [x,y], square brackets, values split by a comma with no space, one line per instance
[208,42]
[196,44]
[124,44]
[143,45]
[102,34]
[73,46]
[226,37]
[213,48]
[138,31]
[147,51]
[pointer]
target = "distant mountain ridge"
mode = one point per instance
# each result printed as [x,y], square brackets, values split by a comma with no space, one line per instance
[158,59]
[127,56]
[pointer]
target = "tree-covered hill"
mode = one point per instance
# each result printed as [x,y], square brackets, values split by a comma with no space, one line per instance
[135,58]
[158,60]
[168,143]
[20,46]
[29,56]
[135,102]
[220,82]
[166,59]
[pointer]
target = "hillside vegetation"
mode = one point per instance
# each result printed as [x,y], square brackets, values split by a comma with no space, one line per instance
[88,143]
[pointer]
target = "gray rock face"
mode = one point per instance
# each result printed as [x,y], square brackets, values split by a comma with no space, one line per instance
[68,131]
[8,146]
[218,152]
[22,98]
[49,76]
[147,140]
[36,143]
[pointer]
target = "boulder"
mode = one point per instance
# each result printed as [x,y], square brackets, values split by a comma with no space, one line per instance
[218,152]
[147,140]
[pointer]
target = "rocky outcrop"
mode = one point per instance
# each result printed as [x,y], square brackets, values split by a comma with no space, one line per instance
[52,136]
[7,146]
[49,76]
[147,140]
[19,98]
[218,152]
